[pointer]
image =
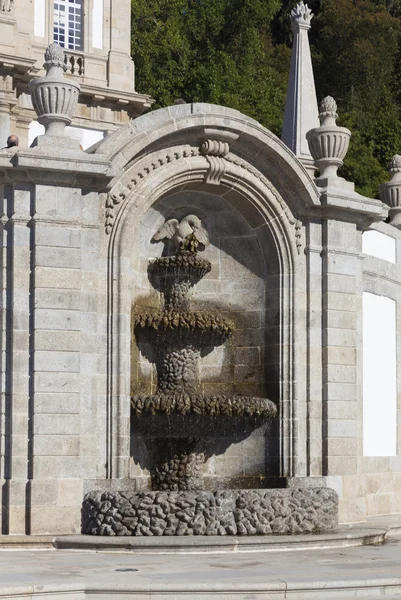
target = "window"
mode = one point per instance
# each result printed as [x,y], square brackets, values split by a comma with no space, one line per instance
[68,24]
[379,376]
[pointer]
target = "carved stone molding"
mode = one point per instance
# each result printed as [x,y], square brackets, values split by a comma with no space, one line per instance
[123,188]
[214,148]
[286,212]
[239,162]
[215,152]
[127,184]
[298,236]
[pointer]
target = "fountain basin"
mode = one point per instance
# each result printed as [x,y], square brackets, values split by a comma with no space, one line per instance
[185,404]
[221,513]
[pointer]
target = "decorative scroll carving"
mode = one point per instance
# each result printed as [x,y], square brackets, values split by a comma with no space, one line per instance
[214,148]
[215,153]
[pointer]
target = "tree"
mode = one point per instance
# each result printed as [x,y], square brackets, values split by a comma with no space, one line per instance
[355,48]
[217,51]
[237,53]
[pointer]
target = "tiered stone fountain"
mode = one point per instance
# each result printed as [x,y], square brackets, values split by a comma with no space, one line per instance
[178,336]
[178,421]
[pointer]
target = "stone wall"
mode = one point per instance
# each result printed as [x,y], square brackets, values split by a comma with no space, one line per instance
[75,238]
[375,486]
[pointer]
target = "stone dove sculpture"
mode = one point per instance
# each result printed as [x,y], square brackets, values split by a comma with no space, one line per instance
[186,235]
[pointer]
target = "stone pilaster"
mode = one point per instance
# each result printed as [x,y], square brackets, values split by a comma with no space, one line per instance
[17,364]
[314,415]
[56,348]
[342,272]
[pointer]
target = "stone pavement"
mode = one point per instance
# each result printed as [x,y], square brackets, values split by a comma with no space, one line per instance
[370,572]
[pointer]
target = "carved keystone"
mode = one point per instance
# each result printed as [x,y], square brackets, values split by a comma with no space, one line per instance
[215,152]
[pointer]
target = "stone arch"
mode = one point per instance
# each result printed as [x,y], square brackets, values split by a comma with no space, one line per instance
[155,172]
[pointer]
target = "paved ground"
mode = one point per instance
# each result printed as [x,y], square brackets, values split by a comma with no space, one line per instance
[280,571]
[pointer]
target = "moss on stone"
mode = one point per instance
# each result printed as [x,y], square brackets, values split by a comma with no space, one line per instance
[183,404]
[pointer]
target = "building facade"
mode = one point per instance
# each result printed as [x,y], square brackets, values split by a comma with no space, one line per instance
[97,43]
[307,268]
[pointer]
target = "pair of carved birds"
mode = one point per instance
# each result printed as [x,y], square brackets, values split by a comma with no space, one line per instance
[187,234]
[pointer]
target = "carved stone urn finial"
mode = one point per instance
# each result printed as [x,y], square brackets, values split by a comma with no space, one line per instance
[328,143]
[54,61]
[390,192]
[54,97]
[301,16]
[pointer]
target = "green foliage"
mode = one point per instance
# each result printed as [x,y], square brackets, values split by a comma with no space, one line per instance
[361,165]
[217,51]
[356,47]
[237,53]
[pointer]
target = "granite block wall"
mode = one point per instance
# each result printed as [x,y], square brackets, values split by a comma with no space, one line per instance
[75,249]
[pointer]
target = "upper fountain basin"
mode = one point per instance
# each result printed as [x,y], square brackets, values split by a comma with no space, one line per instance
[204,328]
[181,265]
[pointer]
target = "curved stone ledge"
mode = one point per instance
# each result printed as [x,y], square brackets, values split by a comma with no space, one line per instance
[184,404]
[232,512]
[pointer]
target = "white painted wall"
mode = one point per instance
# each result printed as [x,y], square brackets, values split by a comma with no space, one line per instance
[379,376]
[39,26]
[97,24]
[86,137]
[380,245]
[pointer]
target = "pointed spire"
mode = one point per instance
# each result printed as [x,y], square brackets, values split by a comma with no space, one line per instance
[301,110]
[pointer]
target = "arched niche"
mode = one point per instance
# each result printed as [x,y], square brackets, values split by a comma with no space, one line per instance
[243,286]
[253,251]
[165,177]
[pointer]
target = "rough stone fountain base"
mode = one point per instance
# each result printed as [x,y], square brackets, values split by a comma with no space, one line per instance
[229,512]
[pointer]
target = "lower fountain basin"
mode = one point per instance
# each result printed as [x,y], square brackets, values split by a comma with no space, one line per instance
[178,433]
[229,512]
[197,404]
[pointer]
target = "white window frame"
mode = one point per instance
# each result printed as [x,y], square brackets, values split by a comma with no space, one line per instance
[72,37]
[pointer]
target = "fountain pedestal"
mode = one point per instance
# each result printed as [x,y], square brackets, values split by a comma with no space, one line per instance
[178,420]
